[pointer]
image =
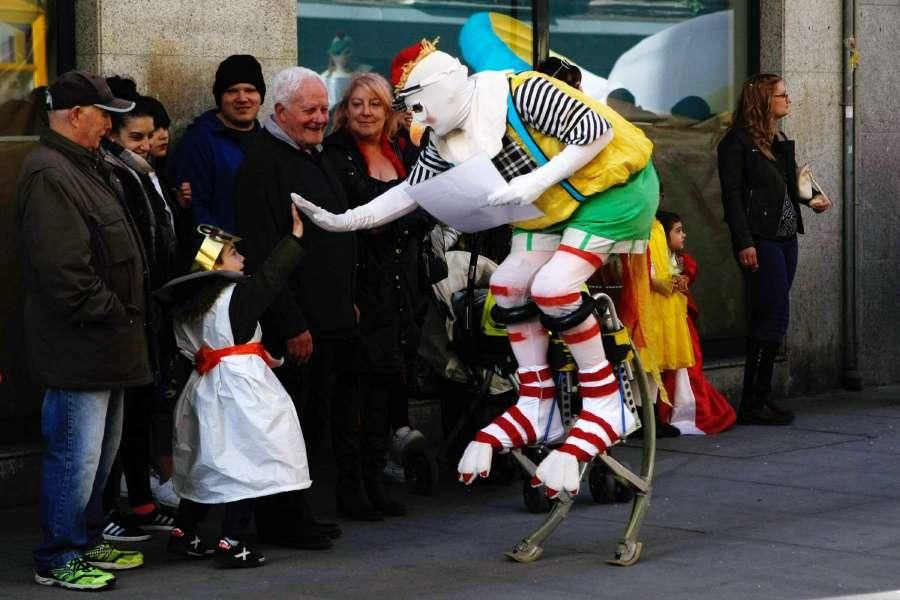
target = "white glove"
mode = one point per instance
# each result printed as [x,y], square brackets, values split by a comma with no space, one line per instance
[387,207]
[475,460]
[559,471]
[321,217]
[522,190]
[525,189]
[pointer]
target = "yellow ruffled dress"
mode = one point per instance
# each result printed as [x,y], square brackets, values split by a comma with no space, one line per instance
[668,334]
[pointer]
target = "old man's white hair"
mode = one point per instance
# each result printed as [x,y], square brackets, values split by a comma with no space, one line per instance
[287,81]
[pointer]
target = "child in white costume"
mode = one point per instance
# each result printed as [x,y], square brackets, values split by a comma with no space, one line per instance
[589,172]
[237,435]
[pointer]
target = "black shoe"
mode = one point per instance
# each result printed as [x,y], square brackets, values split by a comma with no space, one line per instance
[297,537]
[121,528]
[330,530]
[763,415]
[237,556]
[381,501]
[154,521]
[664,430]
[781,412]
[188,544]
[357,508]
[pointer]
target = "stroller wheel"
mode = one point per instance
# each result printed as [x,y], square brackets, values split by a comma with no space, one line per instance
[421,472]
[536,500]
[503,469]
[605,486]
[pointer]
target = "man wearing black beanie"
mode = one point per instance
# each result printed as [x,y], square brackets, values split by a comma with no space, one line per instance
[212,148]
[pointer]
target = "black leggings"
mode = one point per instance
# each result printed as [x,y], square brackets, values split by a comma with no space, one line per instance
[234,524]
[134,450]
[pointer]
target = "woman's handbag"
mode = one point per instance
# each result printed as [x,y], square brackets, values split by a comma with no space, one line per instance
[807,187]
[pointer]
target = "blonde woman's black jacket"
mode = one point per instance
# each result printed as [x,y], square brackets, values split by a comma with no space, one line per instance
[85,273]
[388,291]
[753,187]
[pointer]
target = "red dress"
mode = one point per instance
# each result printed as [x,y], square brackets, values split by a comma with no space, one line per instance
[698,407]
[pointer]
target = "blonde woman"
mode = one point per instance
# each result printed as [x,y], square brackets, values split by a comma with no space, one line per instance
[369,158]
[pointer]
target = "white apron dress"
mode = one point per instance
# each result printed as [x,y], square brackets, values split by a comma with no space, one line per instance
[237,434]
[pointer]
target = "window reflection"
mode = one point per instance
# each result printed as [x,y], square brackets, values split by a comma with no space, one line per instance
[671,66]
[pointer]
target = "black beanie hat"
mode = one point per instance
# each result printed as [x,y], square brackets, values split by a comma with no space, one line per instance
[238,68]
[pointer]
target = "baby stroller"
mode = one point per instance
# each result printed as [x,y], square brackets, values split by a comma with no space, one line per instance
[470,355]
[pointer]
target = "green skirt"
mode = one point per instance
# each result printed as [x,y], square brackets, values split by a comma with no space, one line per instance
[621,213]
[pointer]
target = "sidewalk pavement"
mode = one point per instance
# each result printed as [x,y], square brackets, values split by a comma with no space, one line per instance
[810,511]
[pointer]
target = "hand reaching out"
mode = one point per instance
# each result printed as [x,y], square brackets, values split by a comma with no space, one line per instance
[297,227]
[321,217]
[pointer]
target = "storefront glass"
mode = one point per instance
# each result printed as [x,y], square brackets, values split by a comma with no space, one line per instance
[27,63]
[671,66]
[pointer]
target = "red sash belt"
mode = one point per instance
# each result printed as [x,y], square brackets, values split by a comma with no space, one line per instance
[207,358]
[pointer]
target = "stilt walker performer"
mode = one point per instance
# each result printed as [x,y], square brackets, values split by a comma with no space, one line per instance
[589,171]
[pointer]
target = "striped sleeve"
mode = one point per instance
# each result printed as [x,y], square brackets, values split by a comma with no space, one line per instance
[551,111]
[428,165]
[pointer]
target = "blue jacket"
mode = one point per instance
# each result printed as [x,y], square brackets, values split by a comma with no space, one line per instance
[208,157]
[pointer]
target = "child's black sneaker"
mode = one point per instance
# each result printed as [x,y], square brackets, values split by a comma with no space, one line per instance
[154,521]
[120,528]
[188,544]
[236,555]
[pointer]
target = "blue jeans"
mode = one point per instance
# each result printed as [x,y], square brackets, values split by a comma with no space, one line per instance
[81,431]
[769,289]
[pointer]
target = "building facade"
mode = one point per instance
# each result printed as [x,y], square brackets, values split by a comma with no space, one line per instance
[845,303]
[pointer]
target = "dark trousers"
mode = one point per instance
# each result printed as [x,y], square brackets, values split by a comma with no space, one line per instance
[135,454]
[234,523]
[380,393]
[325,394]
[768,289]
[398,400]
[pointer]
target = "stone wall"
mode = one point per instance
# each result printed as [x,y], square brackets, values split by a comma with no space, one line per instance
[171,48]
[801,40]
[878,189]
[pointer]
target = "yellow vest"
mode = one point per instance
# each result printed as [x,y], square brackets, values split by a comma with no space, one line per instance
[627,153]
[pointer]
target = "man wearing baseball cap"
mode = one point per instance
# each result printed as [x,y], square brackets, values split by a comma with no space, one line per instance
[212,148]
[84,306]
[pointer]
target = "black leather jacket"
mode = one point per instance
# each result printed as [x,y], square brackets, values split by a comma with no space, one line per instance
[753,187]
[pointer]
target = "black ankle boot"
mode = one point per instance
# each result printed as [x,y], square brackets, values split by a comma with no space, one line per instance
[762,415]
[381,501]
[765,410]
[777,410]
[751,367]
[353,504]
[330,530]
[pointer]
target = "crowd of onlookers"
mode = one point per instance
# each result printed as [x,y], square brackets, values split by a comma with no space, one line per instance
[109,215]
[135,293]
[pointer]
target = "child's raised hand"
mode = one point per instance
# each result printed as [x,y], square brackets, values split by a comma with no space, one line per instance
[297,228]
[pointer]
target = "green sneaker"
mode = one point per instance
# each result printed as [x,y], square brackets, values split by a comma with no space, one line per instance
[107,557]
[76,575]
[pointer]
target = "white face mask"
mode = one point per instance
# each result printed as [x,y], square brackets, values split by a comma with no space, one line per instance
[442,102]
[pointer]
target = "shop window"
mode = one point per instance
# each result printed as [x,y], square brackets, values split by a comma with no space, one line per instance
[671,66]
[27,64]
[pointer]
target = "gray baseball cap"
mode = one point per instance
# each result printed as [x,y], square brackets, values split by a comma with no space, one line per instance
[78,88]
